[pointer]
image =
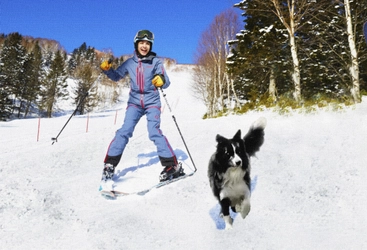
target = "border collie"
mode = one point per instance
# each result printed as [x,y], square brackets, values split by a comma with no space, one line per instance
[229,170]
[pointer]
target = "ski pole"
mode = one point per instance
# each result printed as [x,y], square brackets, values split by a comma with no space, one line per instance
[179,131]
[54,139]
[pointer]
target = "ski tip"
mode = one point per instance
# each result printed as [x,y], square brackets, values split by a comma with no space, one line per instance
[143,192]
[108,195]
[120,193]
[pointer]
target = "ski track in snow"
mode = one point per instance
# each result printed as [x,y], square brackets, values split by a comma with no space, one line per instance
[309,182]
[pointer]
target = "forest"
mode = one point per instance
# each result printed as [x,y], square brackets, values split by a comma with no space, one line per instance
[286,54]
[35,72]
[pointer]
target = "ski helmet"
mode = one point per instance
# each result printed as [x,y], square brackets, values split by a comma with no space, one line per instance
[144,35]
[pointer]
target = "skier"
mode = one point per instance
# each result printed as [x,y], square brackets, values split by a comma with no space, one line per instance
[146,73]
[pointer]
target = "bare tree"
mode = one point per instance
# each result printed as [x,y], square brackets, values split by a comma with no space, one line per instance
[354,66]
[211,79]
[291,16]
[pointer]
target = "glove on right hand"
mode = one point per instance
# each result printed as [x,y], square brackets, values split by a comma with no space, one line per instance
[106,65]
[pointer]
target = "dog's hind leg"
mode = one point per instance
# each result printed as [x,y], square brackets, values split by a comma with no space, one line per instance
[225,204]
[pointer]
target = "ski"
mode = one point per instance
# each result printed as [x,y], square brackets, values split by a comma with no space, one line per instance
[112,195]
[109,195]
[365,31]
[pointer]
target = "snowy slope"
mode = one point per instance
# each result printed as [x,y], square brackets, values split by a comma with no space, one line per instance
[309,181]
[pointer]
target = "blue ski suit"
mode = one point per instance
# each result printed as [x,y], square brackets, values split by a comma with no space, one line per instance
[144,99]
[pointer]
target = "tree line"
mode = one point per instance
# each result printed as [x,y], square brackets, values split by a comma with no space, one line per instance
[34,76]
[286,53]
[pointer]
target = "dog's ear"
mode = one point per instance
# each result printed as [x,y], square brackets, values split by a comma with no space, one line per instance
[220,138]
[237,136]
[221,146]
[222,143]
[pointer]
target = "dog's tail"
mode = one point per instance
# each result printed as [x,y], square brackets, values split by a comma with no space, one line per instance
[254,138]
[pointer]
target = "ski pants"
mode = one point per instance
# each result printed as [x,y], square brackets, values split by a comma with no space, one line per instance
[122,136]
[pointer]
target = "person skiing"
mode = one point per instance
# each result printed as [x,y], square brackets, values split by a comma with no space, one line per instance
[147,74]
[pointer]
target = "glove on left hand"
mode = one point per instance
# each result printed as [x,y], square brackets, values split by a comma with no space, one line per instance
[158,80]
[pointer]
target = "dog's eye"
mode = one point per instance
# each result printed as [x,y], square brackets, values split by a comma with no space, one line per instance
[229,156]
[227,153]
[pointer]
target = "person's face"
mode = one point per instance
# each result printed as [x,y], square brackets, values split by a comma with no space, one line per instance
[143,47]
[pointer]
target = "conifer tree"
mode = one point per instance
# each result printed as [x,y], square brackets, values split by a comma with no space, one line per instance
[85,74]
[307,29]
[79,56]
[5,101]
[5,92]
[35,76]
[86,91]
[13,56]
[259,57]
[55,86]
[24,90]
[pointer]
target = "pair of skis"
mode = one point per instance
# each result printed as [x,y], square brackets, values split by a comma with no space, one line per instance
[113,195]
[365,31]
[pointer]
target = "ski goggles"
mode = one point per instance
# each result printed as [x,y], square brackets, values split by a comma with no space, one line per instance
[144,34]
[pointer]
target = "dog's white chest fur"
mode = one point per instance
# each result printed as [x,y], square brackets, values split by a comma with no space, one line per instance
[234,187]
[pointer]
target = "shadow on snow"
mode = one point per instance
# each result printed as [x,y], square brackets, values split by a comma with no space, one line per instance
[153,159]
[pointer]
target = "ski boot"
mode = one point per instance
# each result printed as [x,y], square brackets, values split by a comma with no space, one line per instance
[107,175]
[171,172]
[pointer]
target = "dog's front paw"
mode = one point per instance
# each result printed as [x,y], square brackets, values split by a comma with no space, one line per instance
[244,208]
[228,221]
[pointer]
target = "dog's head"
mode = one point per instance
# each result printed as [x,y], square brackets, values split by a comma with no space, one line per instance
[231,152]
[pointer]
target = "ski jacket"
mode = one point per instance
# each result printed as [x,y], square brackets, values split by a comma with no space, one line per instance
[141,71]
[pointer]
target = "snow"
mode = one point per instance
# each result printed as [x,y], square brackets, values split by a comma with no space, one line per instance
[309,182]
[266,29]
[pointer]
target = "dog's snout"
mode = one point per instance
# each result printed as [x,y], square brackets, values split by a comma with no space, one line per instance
[238,163]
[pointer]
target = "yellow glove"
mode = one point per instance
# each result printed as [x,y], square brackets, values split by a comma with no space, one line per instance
[158,81]
[106,65]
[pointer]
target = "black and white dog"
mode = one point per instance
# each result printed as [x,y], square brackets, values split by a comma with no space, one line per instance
[229,170]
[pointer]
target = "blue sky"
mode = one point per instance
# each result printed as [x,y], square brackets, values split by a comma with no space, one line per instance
[111,25]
